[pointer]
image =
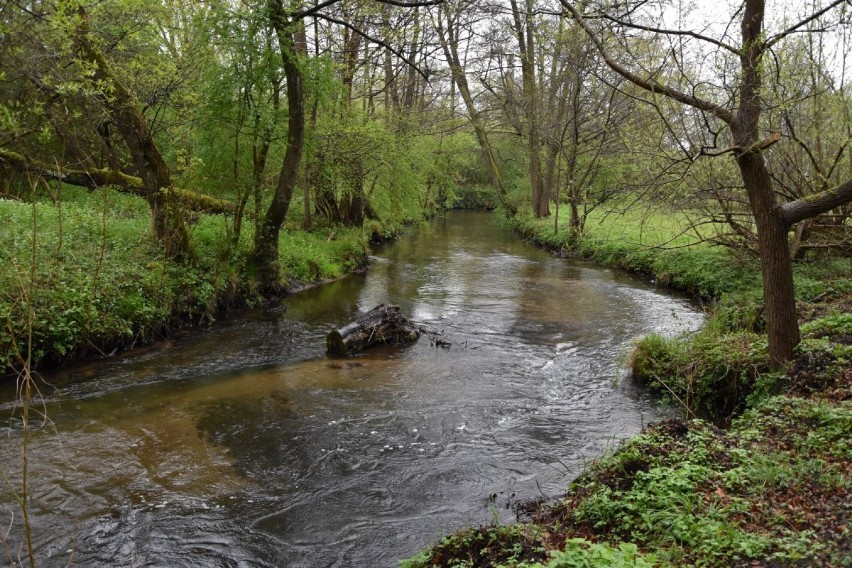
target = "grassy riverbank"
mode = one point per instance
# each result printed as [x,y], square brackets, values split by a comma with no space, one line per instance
[86,276]
[773,488]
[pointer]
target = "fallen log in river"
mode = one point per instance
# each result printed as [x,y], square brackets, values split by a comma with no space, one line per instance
[383,324]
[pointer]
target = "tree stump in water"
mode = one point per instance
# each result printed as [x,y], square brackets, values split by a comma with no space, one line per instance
[383,324]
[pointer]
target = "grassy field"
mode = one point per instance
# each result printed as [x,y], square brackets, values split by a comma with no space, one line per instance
[771,487]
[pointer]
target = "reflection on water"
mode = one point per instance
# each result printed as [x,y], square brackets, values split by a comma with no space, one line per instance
[244,445]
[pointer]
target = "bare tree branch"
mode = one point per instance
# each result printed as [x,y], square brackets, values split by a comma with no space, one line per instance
[781,35]
[692,34]
[649,85]
[416,4]
[375,40]
[314,10]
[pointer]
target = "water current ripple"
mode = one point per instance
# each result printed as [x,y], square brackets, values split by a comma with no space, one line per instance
[244,445]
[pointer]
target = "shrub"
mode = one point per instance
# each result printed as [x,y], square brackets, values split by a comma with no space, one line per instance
[707,374]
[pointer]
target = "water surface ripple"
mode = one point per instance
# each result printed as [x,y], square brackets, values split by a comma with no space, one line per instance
[244,445]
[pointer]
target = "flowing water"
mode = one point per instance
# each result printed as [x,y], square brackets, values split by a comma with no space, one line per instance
[245,445]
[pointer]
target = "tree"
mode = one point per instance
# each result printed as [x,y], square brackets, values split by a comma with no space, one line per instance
[737,106]
[819,128]
[525,29]
[134,128]
[450,27]
[242,92]
[292,44]
[73,68]
[560,106]
[290,32]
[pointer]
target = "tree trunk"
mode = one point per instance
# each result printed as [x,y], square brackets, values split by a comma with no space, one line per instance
[166,212]
[525,34]
[449,44]
[775,262]
[574,200]
[269,228]
[776,265]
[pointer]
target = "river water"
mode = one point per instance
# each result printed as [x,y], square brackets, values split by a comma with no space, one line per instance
[245,445]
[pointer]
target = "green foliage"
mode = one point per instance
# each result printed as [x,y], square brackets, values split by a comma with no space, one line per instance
[81,282]
[833,324]
[580,553]
[827,427]
[448,163]
[707,373]
[655,358]
[699,496]
[402,178]
[98,281]
[310,256]
[577,553]
[659,510]
[657,502]
[739,311]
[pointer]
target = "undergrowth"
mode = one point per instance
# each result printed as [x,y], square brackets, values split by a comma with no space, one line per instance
[101,283]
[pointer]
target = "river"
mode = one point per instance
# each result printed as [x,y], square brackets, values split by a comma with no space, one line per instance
[243,444]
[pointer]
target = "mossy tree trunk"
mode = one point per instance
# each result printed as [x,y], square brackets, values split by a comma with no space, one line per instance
[166,212]
[291,41]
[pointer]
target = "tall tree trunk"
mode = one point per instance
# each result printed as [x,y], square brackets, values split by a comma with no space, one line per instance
[776,265]
[309,182]
[412,78]
[775,261]
[525,33]
[291,43]
[391,98]
[351,50]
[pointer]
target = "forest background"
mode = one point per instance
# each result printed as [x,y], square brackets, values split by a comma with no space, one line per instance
[162,161]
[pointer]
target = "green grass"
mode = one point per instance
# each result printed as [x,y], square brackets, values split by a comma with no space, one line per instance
[90,277]
[306,257]
[652,244]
